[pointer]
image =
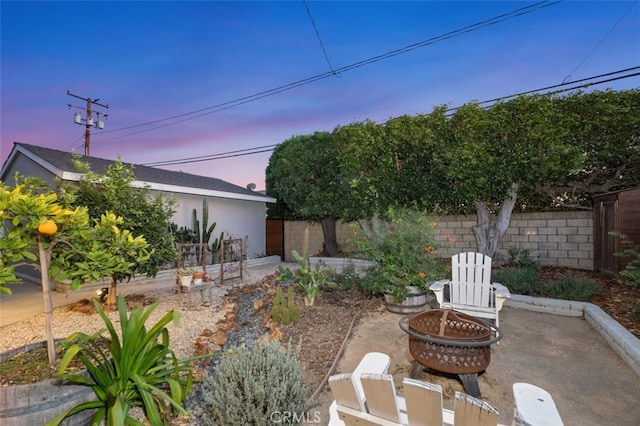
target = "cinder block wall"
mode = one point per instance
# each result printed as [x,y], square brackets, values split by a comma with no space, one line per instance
[556,238]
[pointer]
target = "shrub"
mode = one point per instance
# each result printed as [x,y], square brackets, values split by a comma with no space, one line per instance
[525,281]
[137,369]
[630,275]
[569,287]
[251,386]
[405,250]
[306,279]
[521,258]
[347,278]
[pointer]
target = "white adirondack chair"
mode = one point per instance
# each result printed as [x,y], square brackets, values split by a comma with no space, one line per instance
[422,404]
[350,392]
[470,288]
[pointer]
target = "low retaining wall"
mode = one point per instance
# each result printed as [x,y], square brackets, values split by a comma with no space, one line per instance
[339,263]
[625,344]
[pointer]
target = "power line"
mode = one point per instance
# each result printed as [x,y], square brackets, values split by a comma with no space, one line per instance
[266,148]
[564,84]
[568,78]
[270,92]
[318,37]
[212,156]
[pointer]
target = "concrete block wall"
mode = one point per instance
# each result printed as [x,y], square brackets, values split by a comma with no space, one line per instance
[555,238]
[294,237]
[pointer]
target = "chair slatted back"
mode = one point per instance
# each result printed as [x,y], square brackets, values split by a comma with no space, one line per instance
[344,391]
[470,411]
[471,280]
[380,394]
[424,403]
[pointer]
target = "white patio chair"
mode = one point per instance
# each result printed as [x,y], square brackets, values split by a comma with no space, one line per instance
[470,289]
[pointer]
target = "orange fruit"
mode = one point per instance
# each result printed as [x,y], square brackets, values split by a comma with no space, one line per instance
[47,227]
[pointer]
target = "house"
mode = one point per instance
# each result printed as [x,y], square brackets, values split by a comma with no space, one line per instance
[239,212]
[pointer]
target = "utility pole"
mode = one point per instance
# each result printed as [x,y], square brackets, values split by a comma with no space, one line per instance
[88,120]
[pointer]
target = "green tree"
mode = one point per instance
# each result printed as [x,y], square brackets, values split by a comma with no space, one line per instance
[389,165]
[73,247]
[490,155]
[303,172]
[605,125]
[142,213]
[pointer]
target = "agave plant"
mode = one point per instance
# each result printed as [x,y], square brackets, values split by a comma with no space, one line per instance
[137,369]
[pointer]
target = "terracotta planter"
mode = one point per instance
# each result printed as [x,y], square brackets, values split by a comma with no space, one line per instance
[198,277]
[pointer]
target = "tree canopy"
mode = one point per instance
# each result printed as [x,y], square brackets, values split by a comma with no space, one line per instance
[141,212]
[73,247]
[530,153]
[303,173]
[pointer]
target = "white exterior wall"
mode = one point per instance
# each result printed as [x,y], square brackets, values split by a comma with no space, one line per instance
[238,219]
[245,219]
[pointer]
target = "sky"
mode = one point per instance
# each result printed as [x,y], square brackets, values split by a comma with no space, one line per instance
[223,82]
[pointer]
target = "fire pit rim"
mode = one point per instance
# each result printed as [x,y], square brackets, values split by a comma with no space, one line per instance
[403,323]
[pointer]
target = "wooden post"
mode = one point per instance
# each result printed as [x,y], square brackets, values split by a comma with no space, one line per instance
[48,304]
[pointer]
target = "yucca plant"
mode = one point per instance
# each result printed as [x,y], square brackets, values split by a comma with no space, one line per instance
[137,369]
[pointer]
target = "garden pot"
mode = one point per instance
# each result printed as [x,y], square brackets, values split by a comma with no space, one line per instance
[416,301]
[37,403]
[185,282]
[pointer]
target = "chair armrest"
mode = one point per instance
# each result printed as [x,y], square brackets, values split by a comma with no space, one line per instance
[502,293]
[438,289]
[438,285]
[534,405]
[501,290]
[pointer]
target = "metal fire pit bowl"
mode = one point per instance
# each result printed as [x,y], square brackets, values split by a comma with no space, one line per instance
[451,342]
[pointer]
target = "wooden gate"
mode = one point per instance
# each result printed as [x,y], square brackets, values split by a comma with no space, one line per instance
[605,245]
[275,237]
[615,212]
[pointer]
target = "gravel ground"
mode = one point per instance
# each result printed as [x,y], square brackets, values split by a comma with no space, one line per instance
[203,315]
[69,319]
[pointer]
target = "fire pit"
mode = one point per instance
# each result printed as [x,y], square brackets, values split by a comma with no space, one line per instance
[451,342]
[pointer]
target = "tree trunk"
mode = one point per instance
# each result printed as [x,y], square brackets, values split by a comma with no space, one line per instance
[113,294]
[489,230]
[330,240]
[45,260]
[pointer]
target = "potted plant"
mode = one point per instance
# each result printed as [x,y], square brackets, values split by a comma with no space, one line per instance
[404,249]
[185,275]
[198,276]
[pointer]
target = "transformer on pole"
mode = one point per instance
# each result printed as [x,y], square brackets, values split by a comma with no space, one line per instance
[88,121]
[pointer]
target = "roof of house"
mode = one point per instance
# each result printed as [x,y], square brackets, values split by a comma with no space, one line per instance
[60,163]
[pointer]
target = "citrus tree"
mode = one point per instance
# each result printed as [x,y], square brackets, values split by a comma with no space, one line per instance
[142,213]
[63,243]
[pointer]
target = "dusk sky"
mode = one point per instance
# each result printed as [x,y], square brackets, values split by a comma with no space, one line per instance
[201,78]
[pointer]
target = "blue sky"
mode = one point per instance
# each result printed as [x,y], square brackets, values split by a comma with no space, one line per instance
[172,72]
